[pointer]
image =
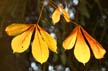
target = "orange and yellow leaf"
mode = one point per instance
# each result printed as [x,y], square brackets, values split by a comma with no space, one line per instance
[81,50]
[51,42]
[96,47]
[66,15]
[21,42]
[69,42]
[56,16]
[39,48]
[15,29]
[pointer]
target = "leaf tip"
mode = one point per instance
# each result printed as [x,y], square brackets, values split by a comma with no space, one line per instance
[56,52]
[14,52]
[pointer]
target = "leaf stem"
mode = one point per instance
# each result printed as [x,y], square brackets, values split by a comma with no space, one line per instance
[74,23]
[40,13]
[52,4]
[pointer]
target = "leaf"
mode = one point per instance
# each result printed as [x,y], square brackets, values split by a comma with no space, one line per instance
[66,15]
[51,42]
[96,47]
[69,42]
[15,29]
[81,50]
[21,42]
[39,48]
[56,16]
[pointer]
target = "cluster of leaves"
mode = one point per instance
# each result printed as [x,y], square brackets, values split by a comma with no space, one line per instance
[40,44]
[81,50]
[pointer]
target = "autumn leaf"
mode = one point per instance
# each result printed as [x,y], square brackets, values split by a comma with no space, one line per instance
[96,47]
[81,50]
[53,45]
[15,29]
[66,15]
[69,42]
[56,15]
[40,44]
[39,48]
[21,42]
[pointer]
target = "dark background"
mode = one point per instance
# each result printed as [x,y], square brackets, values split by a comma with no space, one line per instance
[91,14]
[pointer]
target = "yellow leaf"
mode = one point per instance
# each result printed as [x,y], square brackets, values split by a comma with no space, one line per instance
[56,16]
[81,50]
[69,42]
[66,15]
[96,47]
[51,42]
[39,48]
[15,29]
[21,42]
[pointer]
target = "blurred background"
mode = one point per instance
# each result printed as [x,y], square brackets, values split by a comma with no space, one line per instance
[91,14]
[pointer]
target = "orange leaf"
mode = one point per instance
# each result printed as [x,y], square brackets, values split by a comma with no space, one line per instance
[47,38]
[39,48]
[56,16]
[69,42]
[97,49]
[15,29]
[21,42]
[81,50]
[66,15]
